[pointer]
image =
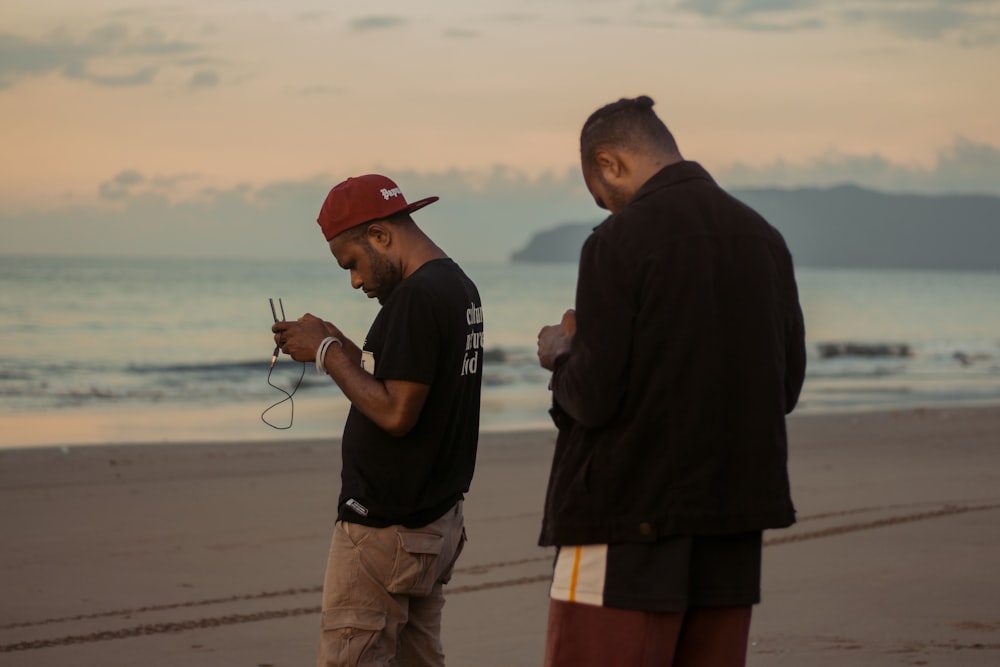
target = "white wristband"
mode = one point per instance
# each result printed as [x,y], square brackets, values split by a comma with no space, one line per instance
[321,353]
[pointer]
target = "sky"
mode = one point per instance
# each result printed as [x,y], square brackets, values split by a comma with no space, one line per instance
[216,127]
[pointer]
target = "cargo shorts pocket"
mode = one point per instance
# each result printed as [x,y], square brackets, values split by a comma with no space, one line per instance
[349,636]
[414,571]
[446,576]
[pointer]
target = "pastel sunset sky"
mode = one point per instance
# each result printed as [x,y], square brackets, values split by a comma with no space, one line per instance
[216,127]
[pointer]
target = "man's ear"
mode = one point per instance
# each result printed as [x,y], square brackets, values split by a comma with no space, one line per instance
[379,235]
[611,164]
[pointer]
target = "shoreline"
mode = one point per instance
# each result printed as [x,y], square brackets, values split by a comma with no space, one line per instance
[314,421]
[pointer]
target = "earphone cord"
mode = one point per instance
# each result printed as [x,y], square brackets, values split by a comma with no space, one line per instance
[288,397]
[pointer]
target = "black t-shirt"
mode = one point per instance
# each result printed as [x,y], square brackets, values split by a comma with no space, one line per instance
[430,330]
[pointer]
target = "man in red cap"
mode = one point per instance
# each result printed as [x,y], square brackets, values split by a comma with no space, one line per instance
[409,444]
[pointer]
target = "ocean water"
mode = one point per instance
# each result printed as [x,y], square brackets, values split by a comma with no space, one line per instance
[128,339]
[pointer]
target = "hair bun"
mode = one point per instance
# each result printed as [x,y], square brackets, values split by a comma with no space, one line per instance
[644,101]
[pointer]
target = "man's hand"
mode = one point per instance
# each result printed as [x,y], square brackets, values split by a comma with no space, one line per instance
[301,338]
[555,340]
[394,405]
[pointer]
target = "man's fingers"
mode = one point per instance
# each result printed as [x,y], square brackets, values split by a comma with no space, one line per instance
[544,331]
[568,322]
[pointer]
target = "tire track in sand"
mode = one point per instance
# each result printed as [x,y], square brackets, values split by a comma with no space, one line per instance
[234,619]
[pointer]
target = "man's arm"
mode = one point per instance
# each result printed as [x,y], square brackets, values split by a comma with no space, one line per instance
[589,382]
[394,405]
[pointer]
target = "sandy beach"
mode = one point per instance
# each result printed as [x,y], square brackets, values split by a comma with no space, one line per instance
[212,554]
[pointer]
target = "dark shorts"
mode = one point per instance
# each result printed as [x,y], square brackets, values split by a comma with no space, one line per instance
[670,575]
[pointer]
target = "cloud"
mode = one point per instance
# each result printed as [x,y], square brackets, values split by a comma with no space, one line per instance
[109,34]
[81,58]
[203,79]
[964,167]
[139,77]
[154,42]
[129,177]
[970,22]
[369,23]
[121,186]
[968,164]
[743,8]
[171,181]
[21,57]
[482,214]
[759,15]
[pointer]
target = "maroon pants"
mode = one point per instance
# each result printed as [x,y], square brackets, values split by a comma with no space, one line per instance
[581,635]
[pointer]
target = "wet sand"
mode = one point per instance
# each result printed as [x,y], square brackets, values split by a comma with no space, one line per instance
[212,554]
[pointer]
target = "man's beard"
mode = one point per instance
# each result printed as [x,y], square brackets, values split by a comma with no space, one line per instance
[617,197]
[385,275]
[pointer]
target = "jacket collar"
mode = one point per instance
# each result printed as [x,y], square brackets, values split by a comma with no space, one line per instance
[673,174]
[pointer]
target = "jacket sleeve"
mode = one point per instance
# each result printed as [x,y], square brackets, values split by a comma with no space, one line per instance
[590,383]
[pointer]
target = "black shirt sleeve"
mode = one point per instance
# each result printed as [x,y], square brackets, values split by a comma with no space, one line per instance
[409,323]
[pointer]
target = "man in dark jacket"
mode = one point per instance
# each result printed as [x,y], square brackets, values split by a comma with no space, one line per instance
[671,381]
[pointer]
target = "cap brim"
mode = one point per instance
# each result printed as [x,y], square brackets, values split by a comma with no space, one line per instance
[417,205]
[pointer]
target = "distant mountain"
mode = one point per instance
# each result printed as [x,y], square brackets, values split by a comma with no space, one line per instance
[847,226]
[561,244]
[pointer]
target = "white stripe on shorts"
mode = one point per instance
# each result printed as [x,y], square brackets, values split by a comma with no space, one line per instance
[579,574]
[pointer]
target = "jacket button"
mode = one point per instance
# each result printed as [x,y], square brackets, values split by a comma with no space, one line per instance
[646,528]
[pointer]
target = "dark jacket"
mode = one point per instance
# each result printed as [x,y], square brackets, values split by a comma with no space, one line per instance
[689,352]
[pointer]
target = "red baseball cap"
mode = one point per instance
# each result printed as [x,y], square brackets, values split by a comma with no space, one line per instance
[361,199]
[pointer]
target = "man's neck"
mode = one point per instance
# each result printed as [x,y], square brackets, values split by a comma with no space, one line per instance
[424,251]
[648,166]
